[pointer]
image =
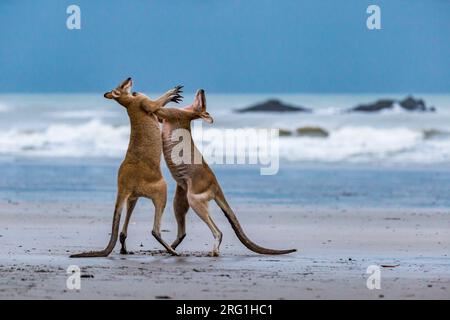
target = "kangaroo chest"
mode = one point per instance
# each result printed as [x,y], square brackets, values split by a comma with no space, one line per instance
[177,151]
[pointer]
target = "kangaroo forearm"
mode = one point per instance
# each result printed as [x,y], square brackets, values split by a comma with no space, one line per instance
[173,95]
[150,105]
[164,99]
[167,113]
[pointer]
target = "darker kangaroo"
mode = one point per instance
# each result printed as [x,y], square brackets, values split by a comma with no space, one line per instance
[196,183]
[140,173]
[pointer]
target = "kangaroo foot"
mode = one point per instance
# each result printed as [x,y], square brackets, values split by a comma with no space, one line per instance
[90,254]
[214,253]
[165,245]
[126,252]
[178,241]
[123,249]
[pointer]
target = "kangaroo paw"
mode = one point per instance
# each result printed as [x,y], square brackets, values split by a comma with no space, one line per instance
[175,94]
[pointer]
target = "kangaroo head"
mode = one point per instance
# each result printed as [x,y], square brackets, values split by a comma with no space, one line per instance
[198,107]
[122,93]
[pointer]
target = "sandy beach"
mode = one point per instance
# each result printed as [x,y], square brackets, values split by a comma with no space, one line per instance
[335,248]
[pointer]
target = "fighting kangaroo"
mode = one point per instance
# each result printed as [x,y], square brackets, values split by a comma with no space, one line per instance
[196,183]
[139,174]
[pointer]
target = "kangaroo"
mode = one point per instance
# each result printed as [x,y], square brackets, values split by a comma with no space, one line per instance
[196,182]
[140,173]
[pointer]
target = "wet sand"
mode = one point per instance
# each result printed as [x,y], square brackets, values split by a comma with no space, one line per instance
[335,248]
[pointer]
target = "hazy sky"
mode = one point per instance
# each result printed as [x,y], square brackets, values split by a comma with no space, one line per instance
[226,46]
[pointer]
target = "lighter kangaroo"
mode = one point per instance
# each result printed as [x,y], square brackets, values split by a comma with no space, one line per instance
[140,173]
[196,183]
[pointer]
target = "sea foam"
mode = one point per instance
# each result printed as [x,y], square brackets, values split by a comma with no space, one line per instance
[346,144]
[92,139]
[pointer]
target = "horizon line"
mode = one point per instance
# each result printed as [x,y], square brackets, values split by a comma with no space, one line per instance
[239,93]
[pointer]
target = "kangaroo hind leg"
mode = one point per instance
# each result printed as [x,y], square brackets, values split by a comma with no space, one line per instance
[200,206]
[180,208]
[160,203]
[131,203]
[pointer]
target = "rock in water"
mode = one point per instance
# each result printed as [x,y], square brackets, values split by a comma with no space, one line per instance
[273,105]
[412,104]
[433,133]
[284,133]
[314,132]
[408,104]
[376,106]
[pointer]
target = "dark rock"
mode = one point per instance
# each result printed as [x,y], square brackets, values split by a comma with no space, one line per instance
[408,104]
[376,106]
[412,104]
[433,133]
[284,133]
[274,105]
[314,132]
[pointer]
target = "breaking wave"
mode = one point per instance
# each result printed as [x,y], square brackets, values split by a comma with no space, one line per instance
[93,139]
[345,144]
[367,144]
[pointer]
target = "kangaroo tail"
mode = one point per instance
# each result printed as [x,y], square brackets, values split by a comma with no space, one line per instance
[222,203]
[113,239]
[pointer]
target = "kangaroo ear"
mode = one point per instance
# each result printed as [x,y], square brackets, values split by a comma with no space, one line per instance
[197,106]
[200,102]
[206,117]
[112,94]
[127,85]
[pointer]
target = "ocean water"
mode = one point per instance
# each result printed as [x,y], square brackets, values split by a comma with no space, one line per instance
[75,126]
[67,148]
[312,186]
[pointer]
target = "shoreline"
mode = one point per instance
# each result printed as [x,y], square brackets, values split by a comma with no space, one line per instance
[335,249]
